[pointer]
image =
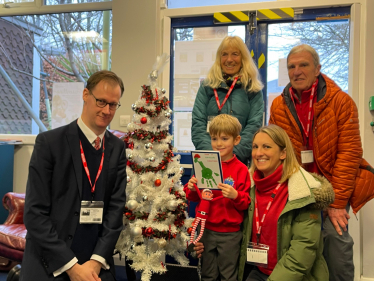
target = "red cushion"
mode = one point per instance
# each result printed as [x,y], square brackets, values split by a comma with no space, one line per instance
[13,236]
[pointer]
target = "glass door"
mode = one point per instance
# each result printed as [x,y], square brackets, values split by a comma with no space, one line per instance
[193,49]
[326,30]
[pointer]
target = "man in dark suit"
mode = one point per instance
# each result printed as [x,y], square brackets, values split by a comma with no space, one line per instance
[76,192]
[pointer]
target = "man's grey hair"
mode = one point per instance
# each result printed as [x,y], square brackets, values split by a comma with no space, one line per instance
[307,48]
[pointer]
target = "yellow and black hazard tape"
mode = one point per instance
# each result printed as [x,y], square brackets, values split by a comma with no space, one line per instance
[242,16]
[275,14]
[236,16]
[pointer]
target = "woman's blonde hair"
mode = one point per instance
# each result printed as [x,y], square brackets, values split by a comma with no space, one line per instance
[249,75]
[281,139]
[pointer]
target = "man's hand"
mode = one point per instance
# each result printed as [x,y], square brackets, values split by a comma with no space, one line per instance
[199,248]
[191,183]
[339,218]
[82,273]
[228,191]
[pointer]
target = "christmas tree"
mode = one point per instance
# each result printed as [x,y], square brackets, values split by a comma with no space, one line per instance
[155,217]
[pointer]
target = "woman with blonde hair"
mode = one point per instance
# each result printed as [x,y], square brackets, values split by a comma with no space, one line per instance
[232,87]
[284,217]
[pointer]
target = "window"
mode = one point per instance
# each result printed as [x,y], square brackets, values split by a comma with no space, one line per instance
[58,2]
[198,3]
[40,51]
[194,54]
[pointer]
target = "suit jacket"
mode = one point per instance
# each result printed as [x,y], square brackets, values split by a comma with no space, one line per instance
[53,199]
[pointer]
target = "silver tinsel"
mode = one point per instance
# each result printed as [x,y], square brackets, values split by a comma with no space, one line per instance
[132,205]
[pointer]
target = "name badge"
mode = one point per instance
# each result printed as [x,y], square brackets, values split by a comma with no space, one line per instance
[307,156]
[91,212]
[257,254]
[210,118]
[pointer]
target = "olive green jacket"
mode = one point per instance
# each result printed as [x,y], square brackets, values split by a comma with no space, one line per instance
[299,238]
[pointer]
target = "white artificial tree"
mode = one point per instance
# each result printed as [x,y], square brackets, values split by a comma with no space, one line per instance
[155,218]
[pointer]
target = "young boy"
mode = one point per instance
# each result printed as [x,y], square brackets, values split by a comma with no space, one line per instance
[222,235]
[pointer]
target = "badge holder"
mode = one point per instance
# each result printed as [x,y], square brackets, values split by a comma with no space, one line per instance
[257,254]
[210,118]
[91,212]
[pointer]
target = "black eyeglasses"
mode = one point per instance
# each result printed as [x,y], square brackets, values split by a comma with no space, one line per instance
[102,103]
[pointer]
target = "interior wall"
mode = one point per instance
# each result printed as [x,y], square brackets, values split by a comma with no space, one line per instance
[366,117]
[136,44]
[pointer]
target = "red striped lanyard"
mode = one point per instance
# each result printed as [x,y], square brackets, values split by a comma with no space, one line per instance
[227,95]
[314,86]
[258,222]
[84,162]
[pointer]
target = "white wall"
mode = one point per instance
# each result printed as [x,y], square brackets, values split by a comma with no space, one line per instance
[367,74]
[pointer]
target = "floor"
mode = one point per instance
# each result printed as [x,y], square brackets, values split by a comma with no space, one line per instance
[120,272]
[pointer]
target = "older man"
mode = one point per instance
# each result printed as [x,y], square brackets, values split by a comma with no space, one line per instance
[322,123]
[76,192]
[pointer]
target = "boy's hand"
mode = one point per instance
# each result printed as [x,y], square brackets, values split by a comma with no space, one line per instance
[191,183]
[228,191]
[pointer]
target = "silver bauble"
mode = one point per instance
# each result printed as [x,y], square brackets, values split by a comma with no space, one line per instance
[133,107]
[132,205]
[153,75]
[172,205]
[145,198]
[163,90]
[162,243]
[135,231]
[167,114]
[148,146]
[128,179]
[181,171]
[170,111]
[152,159]
[129,157]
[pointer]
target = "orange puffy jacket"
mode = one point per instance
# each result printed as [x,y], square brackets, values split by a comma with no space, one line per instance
[336,141]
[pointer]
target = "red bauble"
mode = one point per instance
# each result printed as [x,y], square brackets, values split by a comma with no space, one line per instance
[148,231]
[157,182]
[189,230]
[143,120]
[128,214]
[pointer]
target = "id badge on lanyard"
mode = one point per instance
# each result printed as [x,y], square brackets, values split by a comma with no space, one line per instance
[307,154]
[257,254]
[91,212]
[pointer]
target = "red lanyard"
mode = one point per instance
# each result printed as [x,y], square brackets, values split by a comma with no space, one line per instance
[258,222]
[314,86]
[227,95]
[84,162]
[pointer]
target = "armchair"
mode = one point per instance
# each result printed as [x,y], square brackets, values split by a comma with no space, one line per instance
[12,232]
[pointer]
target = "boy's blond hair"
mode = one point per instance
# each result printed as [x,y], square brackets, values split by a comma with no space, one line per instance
[225,124]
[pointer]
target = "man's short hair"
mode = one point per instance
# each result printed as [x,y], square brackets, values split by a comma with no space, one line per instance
[225,124]
[105,75]
[306,48]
